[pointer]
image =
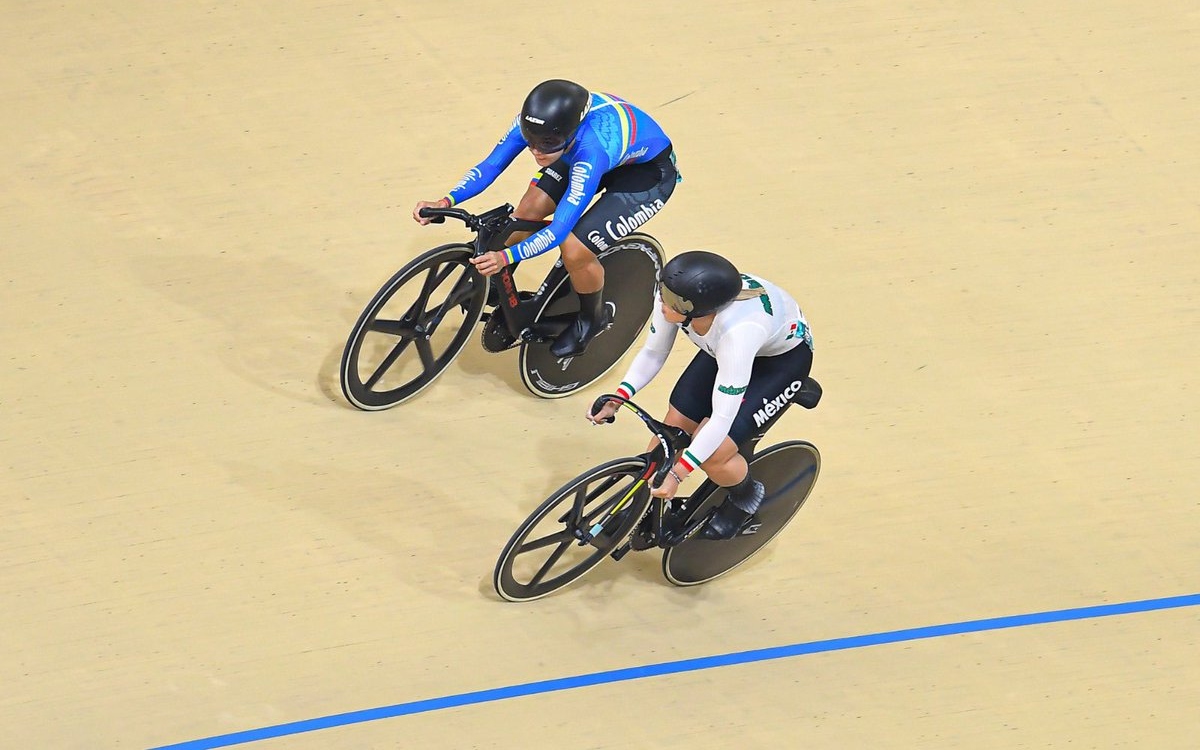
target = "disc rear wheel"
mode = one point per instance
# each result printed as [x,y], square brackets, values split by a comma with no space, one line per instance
[788,472]
[630,269]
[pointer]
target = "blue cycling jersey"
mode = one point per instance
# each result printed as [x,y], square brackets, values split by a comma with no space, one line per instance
[613,133]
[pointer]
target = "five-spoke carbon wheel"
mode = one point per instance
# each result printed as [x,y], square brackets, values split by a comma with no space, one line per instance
[413,328]
[573,530]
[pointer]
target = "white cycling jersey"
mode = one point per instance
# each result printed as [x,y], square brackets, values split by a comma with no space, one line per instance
[762,325]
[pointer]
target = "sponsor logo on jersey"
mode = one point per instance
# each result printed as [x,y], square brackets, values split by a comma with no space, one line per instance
[515,128]
[799,330]
[626,224]
[636,154]
[597,240]
[579,177]
[776,405]
[536,244]
[468,178]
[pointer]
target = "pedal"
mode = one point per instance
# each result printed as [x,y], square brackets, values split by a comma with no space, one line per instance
[621,551]
[690,530]
[750,527]
[675,515]
[611,309]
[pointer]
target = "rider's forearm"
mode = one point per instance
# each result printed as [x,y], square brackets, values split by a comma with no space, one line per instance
[708,438]
[584,181]
[653,355]
[536,243]
[474,182]
[642,370]
[483,174]
[735,363]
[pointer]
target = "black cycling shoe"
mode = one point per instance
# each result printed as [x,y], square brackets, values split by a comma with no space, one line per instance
[574,340]
[594,316]
[731,518]
[726,523]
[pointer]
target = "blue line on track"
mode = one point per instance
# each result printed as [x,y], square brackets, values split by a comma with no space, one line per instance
[685,665]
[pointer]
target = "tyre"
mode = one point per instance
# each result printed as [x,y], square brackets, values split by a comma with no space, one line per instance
[568,534]
[412,329]
[630,271]
[788,471]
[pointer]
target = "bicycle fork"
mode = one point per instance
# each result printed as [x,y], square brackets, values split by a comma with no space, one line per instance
[585,537]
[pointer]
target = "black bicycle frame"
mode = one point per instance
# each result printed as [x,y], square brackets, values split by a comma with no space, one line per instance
[659,461]
[519,314]
[672,441]
[492,230]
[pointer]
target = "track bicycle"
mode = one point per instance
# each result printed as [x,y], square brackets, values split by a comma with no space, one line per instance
[608,511]
[420,319]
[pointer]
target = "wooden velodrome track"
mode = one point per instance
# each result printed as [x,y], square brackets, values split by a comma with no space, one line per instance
[989,212]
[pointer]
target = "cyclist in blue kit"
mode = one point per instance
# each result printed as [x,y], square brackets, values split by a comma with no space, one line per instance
[586,144]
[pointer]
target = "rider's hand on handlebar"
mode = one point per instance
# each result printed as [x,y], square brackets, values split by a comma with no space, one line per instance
[489,263]
[440,203]
[668,488]
[607,413]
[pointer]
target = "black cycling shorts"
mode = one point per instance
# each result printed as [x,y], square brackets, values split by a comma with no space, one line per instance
[770,379]
[629,196]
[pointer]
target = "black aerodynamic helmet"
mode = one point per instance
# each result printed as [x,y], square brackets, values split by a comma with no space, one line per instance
[698,283]
[552,113]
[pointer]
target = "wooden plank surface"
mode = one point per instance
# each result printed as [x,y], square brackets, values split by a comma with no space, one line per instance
[988,212]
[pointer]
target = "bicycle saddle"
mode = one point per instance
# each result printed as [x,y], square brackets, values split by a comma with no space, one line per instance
[809,394]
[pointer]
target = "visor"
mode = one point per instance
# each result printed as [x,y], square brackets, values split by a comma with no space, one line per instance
[548,145]
[545,144]
[674,301]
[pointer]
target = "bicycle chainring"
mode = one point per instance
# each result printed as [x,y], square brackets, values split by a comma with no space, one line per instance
[495,337]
